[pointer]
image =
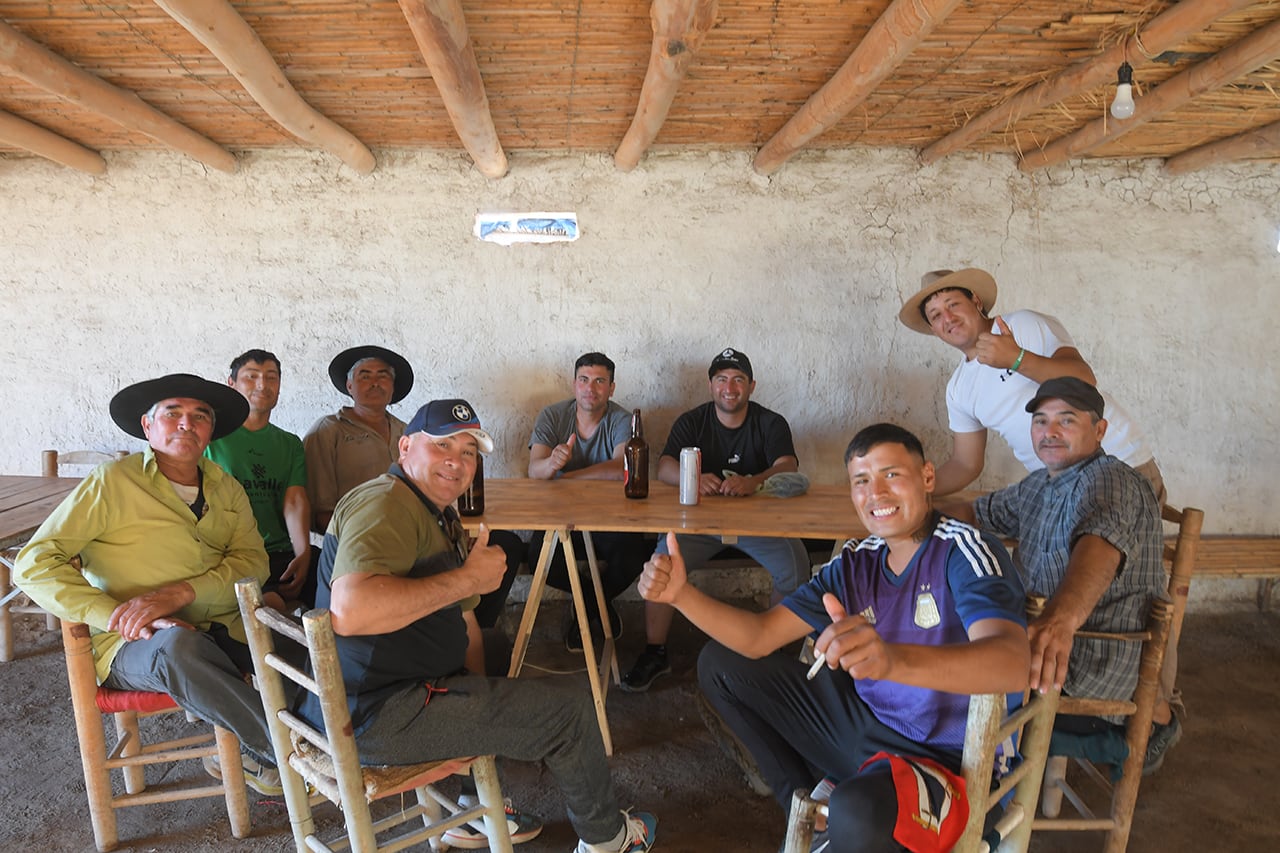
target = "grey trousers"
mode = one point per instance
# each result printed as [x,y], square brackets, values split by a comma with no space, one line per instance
[530,719]
[202,671]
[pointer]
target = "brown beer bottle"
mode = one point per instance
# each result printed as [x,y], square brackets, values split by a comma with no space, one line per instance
[635,461]
[471,502]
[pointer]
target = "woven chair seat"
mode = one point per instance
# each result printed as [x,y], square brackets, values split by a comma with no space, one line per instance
[380,781]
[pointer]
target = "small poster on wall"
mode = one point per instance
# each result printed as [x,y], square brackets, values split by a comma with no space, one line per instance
[508,228]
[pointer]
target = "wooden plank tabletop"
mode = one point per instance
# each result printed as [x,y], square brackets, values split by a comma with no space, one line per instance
[824,512]
[25,502]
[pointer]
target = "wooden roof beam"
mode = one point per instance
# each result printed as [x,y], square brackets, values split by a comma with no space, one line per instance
[441,32]
[1166,31]
[679,28]
[1262,142]
[1245,56]
[45,143]
[44,69]
[890,40]
[219,27]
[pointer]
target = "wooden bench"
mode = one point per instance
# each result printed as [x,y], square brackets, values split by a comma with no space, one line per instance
[1241,557]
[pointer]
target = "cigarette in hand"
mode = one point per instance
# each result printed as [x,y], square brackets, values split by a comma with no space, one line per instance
[817,665]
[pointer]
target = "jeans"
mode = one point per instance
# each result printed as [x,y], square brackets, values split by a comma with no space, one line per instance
[202,671]
[784,559]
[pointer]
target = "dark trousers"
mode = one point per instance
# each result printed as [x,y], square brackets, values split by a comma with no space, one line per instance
[799,731]
[550,720]
[493,603]
[278,561]
[624,553]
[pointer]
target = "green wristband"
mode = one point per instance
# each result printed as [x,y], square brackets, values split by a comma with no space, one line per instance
[1017,362]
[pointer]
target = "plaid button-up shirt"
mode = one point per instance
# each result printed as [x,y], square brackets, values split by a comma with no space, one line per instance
[1104,497]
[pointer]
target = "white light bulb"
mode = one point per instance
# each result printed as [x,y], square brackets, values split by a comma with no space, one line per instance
[1122,106]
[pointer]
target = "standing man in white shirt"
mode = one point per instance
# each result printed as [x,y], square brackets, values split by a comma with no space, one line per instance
[1005,360]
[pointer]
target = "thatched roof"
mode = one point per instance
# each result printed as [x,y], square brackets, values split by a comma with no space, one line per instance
[555,75]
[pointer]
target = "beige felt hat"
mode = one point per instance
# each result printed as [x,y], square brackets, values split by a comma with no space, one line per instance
[976,281]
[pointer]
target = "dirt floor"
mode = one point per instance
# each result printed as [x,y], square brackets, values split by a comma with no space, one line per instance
[1216,792]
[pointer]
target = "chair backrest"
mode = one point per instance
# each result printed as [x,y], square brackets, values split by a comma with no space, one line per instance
[1181,560]
[986,728]
[52,460]
[325,682]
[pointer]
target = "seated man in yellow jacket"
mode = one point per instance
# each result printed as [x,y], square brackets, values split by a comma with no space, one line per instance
[162,537]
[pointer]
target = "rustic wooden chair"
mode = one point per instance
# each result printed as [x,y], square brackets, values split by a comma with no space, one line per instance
[51,461]
[1163,627]
[328,761]
[987,726]
[131,756]
[13,601]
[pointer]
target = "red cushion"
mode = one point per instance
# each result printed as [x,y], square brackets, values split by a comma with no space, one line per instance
[111,701]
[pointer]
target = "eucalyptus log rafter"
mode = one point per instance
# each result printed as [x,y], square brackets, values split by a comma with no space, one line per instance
[679,27]
[441,32]
[219,27]
[891,39]
[43,142]
[1166,31]
[1245,56]
[44,69]
[1263,142]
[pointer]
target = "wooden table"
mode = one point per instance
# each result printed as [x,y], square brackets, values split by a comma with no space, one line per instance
[564,506]
[25,502]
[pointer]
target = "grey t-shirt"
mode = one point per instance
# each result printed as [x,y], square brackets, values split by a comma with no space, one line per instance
[558,421]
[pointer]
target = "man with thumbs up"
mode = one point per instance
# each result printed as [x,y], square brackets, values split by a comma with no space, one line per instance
[1005,360]
[584,438]
[401,584]
[908,621]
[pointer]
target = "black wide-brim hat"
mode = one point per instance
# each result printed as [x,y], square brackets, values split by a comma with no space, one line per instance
[345,360]
[230,408]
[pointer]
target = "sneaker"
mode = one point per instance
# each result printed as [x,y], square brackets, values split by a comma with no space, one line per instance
[646,670]
[1163,738]
[523,827]
[641,830]
[258,776]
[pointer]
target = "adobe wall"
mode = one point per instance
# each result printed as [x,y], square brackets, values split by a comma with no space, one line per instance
[1171,287]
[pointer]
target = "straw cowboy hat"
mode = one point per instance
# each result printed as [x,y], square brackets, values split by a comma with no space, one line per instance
[976,281]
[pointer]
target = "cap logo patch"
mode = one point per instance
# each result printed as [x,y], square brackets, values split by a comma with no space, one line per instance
[729,353]
[461,412]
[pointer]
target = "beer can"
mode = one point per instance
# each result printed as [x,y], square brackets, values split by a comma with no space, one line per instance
[690,475]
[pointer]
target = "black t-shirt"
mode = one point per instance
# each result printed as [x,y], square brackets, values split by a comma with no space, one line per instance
[763,438]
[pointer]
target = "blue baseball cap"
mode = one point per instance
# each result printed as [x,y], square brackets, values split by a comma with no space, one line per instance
[442,418]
